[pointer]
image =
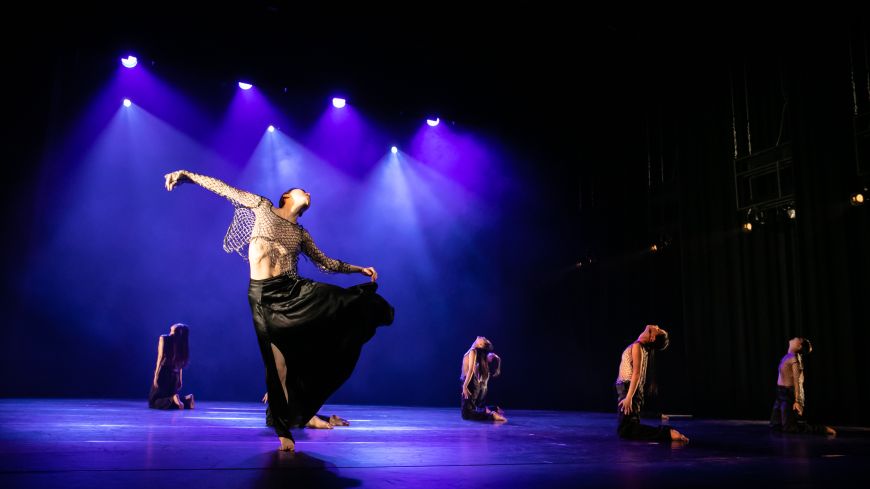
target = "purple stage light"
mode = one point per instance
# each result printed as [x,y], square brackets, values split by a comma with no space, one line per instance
[127,102]
[433,122]
[271,128]
[339,103]
[129,62]
[394,150]
[245,86]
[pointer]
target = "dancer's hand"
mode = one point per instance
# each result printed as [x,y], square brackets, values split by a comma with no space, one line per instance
[465,392]
[265,398]
[175,179]
[369,272]
[625,406]
[797,407]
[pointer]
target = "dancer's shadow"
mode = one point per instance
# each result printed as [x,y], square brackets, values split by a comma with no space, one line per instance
[283,470]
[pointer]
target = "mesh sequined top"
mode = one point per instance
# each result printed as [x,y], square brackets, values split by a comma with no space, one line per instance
[256,225]
[626,366]
[791,374]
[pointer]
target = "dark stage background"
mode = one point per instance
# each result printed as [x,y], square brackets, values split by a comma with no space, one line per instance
[602,137]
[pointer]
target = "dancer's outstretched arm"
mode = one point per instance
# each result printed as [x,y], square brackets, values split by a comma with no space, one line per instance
[495,361]
[625,404]
[159,359]
[328,264]
[234,195]
[468,368]
[798,376]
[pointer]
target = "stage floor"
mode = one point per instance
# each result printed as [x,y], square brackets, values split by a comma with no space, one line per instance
[50,443]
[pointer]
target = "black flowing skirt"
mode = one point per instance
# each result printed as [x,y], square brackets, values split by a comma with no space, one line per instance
[784,418]
[320,330]
[474,407]
[168,385]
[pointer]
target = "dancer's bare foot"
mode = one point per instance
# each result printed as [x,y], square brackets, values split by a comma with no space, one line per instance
[189,399]
[496,416]
[338,421]
[677,436]
[177,401]
[287,444]
[317,423]
[830,431]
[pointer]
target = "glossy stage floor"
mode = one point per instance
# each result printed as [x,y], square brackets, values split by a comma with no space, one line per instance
[110,443]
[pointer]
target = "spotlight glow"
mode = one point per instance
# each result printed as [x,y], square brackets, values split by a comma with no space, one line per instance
[245,86]
[394,150]
[129,62]
[339,103]
[271,128]
[127,102]
[747,227]
[433,122]
[857,199]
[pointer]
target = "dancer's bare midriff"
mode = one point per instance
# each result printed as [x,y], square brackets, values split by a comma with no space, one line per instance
[260,257]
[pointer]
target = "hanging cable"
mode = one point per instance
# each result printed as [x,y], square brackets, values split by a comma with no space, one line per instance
[733,114]
[784,104]
[661,147]
[746,99]
[648,157]
[852,79]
